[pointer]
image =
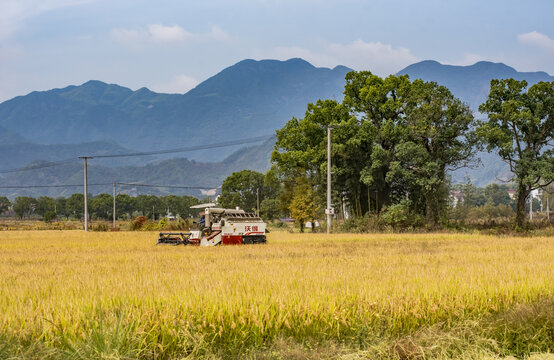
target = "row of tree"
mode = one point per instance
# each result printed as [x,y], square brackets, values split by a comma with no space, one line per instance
[101,206]
[394,141]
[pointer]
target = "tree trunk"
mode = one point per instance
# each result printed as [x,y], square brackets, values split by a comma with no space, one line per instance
[432,210]
[522,193]
[301,226]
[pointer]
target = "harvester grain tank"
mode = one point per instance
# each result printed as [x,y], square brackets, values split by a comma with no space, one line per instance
[219,226]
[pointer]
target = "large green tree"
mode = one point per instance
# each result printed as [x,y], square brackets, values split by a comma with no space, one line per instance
[180,205]
[239,189]
[101,206]
[24,206]
[303,206]
[151,206]
[380,105]
[301,149]
[392,138]
[520,127]
[437,136]
[497,194]
[75,207]
[5,204]
[124,205]
[45,204]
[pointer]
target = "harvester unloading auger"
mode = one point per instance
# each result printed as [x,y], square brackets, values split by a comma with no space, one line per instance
[220,227]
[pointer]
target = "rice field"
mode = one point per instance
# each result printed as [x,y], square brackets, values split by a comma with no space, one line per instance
[76,295]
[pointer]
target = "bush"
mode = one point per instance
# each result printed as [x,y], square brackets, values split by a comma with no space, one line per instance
[139,223]
[367,223]
[49,216]
[180,224]
[399,216]
[101,227]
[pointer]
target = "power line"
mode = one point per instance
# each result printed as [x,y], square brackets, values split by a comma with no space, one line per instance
[170,186]
[188,148]
[116,183]
[144,153]
[48,186]
[39,166]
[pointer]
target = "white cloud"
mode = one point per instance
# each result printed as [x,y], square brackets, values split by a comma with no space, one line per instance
[179,84]
[13,13]
[153,34]
[159,34]
[537,39]
[218,34]
[167,34]
[381,59]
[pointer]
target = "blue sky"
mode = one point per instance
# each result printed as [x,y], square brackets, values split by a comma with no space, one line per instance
[170,46]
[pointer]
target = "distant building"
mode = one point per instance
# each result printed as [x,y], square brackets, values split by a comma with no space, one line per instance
[536,194]
[308,224]
[169,216]
[457,197]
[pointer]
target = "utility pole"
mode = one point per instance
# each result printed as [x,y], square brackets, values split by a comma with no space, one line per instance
[328,211]
[85,158]
[257,202]
[547,208]
[114,205]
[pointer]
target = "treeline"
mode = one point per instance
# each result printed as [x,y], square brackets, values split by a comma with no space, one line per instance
[100,206]
[394,142]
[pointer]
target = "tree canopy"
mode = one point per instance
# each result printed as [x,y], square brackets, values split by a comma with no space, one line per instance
[239,189]
[392,139]
[520,127]
[5,204]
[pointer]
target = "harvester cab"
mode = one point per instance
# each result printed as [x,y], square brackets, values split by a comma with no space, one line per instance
[219,226]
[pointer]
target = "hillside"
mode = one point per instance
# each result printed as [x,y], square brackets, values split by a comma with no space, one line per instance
[178,171]
[470,83]
[21,153]
[247,99]
[8,137]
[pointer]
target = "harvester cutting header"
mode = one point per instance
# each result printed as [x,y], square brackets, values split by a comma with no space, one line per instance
[219,226]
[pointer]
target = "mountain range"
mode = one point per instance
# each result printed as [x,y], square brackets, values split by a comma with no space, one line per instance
[248,99]
[470,83]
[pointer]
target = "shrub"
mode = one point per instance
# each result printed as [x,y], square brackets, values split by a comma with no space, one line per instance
[49,216]
[399,216]
[139,222]
[101,227]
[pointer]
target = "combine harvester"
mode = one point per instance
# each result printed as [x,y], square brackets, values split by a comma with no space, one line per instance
[220,227]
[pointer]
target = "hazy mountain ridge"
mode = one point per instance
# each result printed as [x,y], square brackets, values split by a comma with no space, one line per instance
[470,83]
[177,171]
[248,99]
[8,137]
[20,154]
